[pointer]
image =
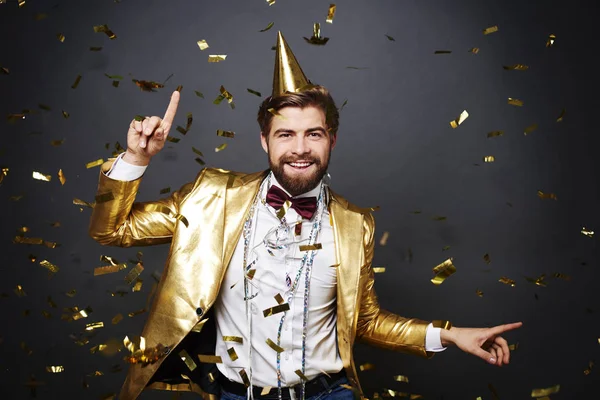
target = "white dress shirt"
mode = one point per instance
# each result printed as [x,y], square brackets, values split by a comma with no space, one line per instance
[269,280]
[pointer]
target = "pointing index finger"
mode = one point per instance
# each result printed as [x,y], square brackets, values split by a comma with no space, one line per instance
[172,109]
[506,327]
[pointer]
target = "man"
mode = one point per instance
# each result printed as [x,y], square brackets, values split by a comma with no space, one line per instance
[268,282]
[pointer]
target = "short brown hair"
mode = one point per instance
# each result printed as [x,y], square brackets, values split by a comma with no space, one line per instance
[316,96]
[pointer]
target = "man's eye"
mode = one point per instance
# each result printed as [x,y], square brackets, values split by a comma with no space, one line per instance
[315,134]
[284,135]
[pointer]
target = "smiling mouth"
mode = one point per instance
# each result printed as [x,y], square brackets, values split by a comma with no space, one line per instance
[300,165]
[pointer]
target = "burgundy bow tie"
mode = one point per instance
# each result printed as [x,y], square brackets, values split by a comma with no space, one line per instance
[305,206]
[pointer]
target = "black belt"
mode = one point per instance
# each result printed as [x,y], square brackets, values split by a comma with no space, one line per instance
[313,387]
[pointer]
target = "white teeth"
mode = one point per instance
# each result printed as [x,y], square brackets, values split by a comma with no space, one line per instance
[300,165]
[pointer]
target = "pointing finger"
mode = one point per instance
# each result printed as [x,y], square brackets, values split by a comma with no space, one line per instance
[505,328]
[171,110]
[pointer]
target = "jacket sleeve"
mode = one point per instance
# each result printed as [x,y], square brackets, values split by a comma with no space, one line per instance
[379,327]
[118,221]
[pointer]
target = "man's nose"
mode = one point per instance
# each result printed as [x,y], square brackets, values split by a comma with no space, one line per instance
[300,145]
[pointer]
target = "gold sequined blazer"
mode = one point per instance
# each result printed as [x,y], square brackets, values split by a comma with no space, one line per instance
[203,221]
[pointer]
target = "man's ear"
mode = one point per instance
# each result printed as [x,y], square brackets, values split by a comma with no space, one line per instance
[333,140]
[264,142]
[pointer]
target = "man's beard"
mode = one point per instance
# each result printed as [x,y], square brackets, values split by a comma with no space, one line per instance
[297,185]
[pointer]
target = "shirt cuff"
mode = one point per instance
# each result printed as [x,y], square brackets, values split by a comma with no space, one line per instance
[121,170]
[433,340]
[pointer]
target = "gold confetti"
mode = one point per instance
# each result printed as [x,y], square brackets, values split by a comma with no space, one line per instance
[95,48]
[589,368]
[587,232]
[495,134]
[254,92]
[49,266]
[134,273]
[538,281]
[266,390]
[94,325]
[530,129]
[138,286]
[275,310]
[202,44]
[228,134]
[268,27]
[461,118]
[378,270]
[562,276]
[26,349]
[443,271]
[19,291]
[561,116]
[76,83]
[515,102]
[57,143]
[309,247]
[244,377]
[109,269]
[71,293]
[251,273]
[270,2]
[545,392]
[51,303]
[189,362]
[331,14]
[221,147]
[232,354]
[165,190]
[489,159]
[439,218]
[301,375]
[507,281]
[61,177]
[274,346]
[65,114]
[550,40]
[384,238]
[147,86]
[79,202]
[3,173]
[487,258]
[491,29]
[215,58]
[479,293]
[41,177]
[4,70]
[516,67]
[210,359]
[442,52]
[199,94]
[55,369]
[474,50]
[46,314]
[316,38]
[513,347]
[135,313]
[391,39]
[82,314]
[61,37]
[93,164]
[117,318]
[367,367]
[401,378]
[279,299]
[105,29]
[235,339]
[543,195]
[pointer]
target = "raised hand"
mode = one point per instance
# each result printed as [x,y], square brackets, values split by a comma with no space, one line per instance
[146,138]
[485,343]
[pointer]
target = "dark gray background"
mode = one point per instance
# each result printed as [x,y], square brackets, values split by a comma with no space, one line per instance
[395,149]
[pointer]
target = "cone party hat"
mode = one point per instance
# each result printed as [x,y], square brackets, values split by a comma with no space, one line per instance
[287,76]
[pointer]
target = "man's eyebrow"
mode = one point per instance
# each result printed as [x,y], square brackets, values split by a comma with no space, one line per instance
[287,130]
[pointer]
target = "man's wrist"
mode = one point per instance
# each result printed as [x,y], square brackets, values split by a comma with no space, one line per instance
[447,336]
[135,160]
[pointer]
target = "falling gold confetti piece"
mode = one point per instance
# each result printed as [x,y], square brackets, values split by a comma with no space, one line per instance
[461,118]
[438,218]
[507,281]
[587,232]
[109,269]
[94,325]
[270,2]
[275,310]
[330,14]
[391,39]
[221,147]
[254,92]
[223,133]
[105,29]
[266,390]
[274,346]
[384,238]
[589,368]
[138,286]
[202,44]
[210,359]
[301,375]
[71,293]
[489,159]
[474,50]
[134,273]
[378,270]
[19,291]
[401,378]
[61,177]
[491,29]
[550,40]
[93,164]
[187,359]
[76,83]
[516,67]
[367,367]
[268,27]
[41,177]
[443,271]
[543,195]
[49,266]
[55,369]
[117,318]
[135,313]
[515,102]
[530,129]
[279,299]
[487,258]
[235,339]
[513,347]
[60,37]
[495,134]
[561,116]
[316,38]
[442,52]
[309,247]
[545,392]
[199,94]
[562,276]
[215,58]
[479,293]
